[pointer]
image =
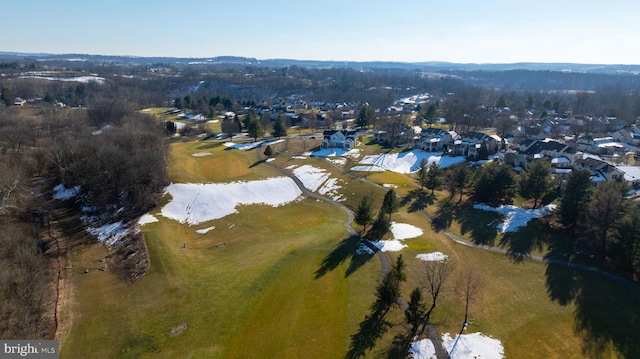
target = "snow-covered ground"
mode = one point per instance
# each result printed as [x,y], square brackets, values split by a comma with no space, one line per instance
[331,152]
[318,180]
[194,203]
[62,193]
[470,346]
[432,257]
[405,162]
[147,218]
[205,230]
[516,217]
[250,145]
[400,231]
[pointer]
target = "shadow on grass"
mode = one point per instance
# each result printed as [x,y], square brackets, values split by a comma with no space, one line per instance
[370,330]
[607,314]
[346,249]
[256,163]
[607,308]
[400,345]
[477,224]
[533,237]
[443,216]
[418,200]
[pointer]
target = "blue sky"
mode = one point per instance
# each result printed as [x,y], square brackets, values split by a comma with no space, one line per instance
[465,31]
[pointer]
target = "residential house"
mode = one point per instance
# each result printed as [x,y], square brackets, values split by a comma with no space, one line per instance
[345,139]
[436,139]
[471,142]
[19,102]
[627,134]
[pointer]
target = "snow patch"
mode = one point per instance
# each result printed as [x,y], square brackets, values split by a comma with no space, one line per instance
[363,249]
[516,217]
[205,230]
[201,154]
[432,257]
[197,203]
[405,162]
[474,345]
[400,231]
[147,218]
[251,145]
[110,233]
[62,193]
[317,180]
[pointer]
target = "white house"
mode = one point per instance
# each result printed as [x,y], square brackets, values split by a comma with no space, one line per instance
[338,139]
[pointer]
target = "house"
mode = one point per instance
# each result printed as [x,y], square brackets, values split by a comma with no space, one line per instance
[627,134]
[338,139]
[436,139]
[561,155]
[19,102]
[471,142]
[600,170]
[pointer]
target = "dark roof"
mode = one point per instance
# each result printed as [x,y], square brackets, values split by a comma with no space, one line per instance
[540,146]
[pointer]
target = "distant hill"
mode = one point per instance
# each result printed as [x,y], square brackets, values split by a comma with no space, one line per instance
[421,66]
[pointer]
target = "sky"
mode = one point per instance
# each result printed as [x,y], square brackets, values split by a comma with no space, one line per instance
[461,31]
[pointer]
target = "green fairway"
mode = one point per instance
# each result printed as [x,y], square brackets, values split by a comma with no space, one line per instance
[286,282]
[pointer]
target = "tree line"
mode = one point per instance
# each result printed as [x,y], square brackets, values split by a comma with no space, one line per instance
[118,167]
[600,220]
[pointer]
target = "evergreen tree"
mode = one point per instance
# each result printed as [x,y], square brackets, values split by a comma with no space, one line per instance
[575,198]
[6,96]
[627,245]
[279,130]
[381,226]
[364,214]
[388,291]
[457,179]
[365,116]
[495,184]
[422,173]
[535,181]
[483,152]
[434,177]
[416,310]
[390,203]
[268,151]
[604,210]
[255,129]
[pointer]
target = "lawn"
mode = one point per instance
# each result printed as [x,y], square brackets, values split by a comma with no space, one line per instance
[235,300]
[285,281]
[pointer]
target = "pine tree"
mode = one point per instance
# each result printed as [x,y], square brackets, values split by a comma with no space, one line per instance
[416,310]
[364,214]
[6,96]
[255,129]
[575,198]
[535,181]
[390,203]
[268,151]
[279,130]
[434,178]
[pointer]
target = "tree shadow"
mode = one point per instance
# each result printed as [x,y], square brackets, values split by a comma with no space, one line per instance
[443,216]
[256,163]
[527,239]
[400,345]
[370,330]
[418,200]
[607,314]
[346,249]
[478,225]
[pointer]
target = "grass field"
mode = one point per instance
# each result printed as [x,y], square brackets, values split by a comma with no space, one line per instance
[287,283]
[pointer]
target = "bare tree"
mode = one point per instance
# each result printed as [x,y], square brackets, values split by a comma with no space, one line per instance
[436,274]
[468,286]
